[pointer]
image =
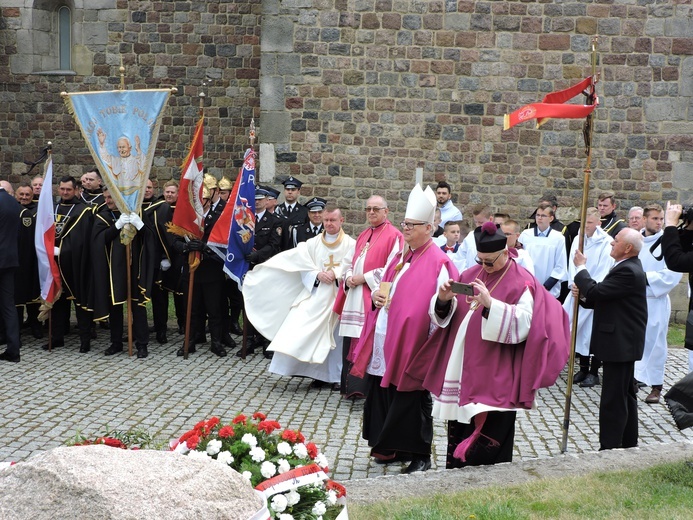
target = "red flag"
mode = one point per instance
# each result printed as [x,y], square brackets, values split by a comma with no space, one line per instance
[553,105]
[44,240]
[188,219]
[219,236]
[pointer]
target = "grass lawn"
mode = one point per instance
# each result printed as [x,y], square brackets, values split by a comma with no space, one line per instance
[676,335]
[659,492]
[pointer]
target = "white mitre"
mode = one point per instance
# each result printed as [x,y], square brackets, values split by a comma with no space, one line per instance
[421,205]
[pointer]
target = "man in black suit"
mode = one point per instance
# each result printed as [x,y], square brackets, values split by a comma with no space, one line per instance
[9,261]
[295,213]
[618,335]
[314,226]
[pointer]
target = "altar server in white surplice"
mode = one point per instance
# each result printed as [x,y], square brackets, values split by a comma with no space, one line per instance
[290,300]
[660,282]
[546,246]
[597,249]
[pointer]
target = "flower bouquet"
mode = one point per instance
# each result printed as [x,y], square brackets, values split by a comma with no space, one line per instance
[290,473]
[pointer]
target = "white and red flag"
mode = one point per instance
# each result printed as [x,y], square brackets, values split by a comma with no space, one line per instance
[44,240]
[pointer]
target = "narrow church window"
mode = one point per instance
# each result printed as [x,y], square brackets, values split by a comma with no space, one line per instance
[65,37]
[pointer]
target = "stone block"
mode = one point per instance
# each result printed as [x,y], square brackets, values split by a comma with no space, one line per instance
[277,34]
[667,109]
[268,165]
[457,21]
[276,127]
[95,34]
[272,93]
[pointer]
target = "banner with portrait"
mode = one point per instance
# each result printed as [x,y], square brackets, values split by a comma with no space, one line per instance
[121,128]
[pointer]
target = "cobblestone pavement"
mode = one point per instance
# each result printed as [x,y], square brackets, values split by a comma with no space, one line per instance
[48,397]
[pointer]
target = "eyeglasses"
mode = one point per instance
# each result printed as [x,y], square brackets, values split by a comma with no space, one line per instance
[410,225]
[486,262]
[374,209]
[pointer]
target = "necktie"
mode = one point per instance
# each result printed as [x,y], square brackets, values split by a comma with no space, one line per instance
[450,248]
[288,210]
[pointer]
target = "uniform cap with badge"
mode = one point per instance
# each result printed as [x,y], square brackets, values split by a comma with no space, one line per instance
[292,183]
[316,204]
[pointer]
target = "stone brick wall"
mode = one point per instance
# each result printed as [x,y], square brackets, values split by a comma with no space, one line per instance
[361,92]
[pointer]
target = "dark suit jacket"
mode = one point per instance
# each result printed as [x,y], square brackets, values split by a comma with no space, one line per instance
[9,230]
[620,311]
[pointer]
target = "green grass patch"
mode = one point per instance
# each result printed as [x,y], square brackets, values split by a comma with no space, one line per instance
[676,334]
[659,492]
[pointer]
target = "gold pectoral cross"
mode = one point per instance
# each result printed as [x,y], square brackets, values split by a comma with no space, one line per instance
[331,264]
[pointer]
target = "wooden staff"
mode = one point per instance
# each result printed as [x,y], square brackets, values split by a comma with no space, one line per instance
[244,344]
[129,278]
[581,243]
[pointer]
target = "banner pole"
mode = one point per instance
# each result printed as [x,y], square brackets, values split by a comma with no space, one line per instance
[581,242]
[129,303]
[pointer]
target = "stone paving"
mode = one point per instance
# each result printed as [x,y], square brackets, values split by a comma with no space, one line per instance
[49,397]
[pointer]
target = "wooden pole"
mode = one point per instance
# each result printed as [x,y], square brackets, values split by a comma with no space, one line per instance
[581,243]
[129,304]
[188,310]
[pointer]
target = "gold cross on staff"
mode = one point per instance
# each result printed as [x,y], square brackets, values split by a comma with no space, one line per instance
[331,264]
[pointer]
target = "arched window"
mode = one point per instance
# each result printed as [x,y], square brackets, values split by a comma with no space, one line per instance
[65,37]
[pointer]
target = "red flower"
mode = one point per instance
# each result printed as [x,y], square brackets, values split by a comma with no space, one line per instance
[109,441]
[300,437]
[268,426]
[289,435]
[240,419]
[193,441]
[259,416]
[186,436]
[226,432]
[312,450]
[199,426]
[212,423]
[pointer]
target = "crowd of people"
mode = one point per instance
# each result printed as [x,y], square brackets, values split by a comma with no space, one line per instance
[433,317]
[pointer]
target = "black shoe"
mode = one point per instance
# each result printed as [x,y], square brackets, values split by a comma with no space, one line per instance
[218,349]
[236,329]
[84,347]
[268,355]
[92,334]
[249,352]
[5,356]
[142,352]
[418,465]
[579,377]
[191,350]
[228,341]
[55,344]
[113,349]
[181,330]
[161,337]
[316,383]
[36,330]
[590,381]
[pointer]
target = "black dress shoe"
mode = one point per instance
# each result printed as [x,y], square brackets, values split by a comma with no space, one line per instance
[5,356]
[113,349]
[161,337]
[236,329]
[218,349]
[268,355]
[84,347]
[142,352]
[590,381]
[191,350]
[316,383]
[181,330]
[54,345]
[418,465]
[249,352]
[336,387]
[36,330]
[228,341]
[579,377]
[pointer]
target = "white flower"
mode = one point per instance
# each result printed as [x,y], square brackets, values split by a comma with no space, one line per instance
[284,448]
[225,457]
[249,439]
[319,508]
[331,497]
[214,447]
[285,516]
[257,454]
[246,475]
[293,497]
[279,503]
[267,469]
[321,461]
[283,466]
[301,451]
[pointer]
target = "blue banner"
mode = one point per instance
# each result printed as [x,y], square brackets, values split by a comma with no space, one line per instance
[242,228]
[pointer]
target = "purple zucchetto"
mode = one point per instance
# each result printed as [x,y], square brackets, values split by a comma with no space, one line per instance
[489,238]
